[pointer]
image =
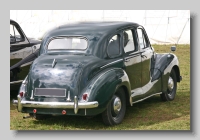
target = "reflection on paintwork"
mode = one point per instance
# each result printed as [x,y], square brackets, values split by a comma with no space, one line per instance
[144,89]
[174,62]
[134,71]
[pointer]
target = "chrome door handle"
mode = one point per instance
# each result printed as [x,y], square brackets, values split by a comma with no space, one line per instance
[127,60]
[144,56]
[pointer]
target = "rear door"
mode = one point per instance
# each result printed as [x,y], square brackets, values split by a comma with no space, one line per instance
[148,87]
[132,62]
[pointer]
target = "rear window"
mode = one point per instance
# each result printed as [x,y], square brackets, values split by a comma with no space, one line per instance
[68,43]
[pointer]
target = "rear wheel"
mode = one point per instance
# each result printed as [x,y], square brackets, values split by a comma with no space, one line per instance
[116,109]
[169,95]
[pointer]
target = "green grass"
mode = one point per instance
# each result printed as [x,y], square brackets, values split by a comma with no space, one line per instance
[151,114]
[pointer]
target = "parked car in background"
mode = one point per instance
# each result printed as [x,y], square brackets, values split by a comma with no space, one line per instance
[23,51]
[92,68]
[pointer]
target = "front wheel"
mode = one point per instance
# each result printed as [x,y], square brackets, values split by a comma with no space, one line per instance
[169,95]
[116,109]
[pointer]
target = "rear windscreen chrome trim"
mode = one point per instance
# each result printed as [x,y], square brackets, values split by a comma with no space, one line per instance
[66,36]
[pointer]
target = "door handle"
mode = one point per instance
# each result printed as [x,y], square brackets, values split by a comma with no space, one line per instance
[127,60]
[144,56]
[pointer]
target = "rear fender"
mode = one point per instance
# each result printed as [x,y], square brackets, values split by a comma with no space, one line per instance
[103,86]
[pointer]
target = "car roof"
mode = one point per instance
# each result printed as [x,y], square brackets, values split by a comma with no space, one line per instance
[99,24]
[96,32]
[90,28]
[12,21]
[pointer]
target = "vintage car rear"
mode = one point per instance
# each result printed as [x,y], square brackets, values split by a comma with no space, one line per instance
[86,69]
[60,79]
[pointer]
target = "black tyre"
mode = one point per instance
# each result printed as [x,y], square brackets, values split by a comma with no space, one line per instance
[116,109]
[169,95]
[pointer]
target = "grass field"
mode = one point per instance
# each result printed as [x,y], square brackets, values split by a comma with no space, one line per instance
[151,114]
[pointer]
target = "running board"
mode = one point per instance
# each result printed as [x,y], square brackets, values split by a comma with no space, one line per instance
[146,97]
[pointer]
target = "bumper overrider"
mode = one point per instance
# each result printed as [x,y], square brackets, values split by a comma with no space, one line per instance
[20,103]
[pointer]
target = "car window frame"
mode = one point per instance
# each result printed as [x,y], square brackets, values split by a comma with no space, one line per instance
[23,37]
[120,44]
[145,37]
[68,36]
[134,39]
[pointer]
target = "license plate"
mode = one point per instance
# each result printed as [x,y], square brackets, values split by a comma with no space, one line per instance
[50,92]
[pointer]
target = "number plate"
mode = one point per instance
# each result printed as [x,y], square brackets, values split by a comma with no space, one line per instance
[50,92]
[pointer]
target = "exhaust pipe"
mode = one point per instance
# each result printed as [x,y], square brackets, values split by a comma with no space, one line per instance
[15,102]
[25,117]
[31,115]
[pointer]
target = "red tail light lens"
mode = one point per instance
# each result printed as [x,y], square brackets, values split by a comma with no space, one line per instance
[85,96]
[34,110]
[64,112]
[21,94]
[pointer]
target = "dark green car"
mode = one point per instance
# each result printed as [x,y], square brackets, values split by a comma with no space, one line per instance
[92,68]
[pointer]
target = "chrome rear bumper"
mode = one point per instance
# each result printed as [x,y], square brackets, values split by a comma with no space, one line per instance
[70,105]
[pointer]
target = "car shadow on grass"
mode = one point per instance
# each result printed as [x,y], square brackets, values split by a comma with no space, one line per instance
[154,111]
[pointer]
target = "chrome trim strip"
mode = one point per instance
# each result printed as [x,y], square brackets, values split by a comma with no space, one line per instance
[29,63]
[15,82]
[133,55]
[111,63]
[32,95]
[68,97]
[81,105]
[25,80]
[66,36]
[54,63]
[19,107]
[146,97]
[101,76]
[75,105]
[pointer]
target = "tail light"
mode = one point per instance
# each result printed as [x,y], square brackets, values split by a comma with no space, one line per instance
[34,110]
[85,96]
[64,112]
[21,94]
[23,88]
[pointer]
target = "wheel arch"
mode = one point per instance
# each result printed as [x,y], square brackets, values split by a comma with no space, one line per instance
[127,94]
[177,71]
[107,83]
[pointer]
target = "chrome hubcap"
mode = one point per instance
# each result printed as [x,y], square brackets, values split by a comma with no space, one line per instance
[170,84]
[117,105]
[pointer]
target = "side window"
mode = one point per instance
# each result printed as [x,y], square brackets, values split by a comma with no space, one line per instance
[142,39]
[128,41]
[113,48]
[15,36]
